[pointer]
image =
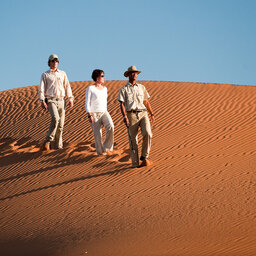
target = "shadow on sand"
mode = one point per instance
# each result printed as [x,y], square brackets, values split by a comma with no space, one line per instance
[108,173]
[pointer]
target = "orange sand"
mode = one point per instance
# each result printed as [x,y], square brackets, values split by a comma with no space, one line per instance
[198,198]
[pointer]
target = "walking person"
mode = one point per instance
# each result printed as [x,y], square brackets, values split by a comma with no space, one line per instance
[134,104]
[98,116]
[54,86]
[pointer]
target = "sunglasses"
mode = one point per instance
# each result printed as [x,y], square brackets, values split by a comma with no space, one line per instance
[102,76]
[55,60]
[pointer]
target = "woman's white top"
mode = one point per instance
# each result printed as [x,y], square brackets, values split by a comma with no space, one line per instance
[95,99]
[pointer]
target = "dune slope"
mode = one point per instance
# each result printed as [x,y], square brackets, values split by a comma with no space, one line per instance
[198,197]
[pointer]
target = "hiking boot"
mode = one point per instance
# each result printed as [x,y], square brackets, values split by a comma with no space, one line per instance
[145,162]
[142,158]
[47,146]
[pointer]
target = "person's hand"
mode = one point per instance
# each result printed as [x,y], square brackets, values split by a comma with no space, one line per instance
[43,105]
[126,121]
[152,118]
[71,103]
[90,118]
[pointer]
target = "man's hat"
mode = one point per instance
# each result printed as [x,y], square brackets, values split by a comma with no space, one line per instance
[52,57]
[131,69]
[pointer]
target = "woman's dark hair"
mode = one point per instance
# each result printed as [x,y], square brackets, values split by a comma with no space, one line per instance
[96,73]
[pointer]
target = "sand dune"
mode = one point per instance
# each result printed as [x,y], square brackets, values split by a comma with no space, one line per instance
[198,197]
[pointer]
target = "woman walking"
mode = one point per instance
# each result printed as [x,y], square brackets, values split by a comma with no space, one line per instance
[96,108]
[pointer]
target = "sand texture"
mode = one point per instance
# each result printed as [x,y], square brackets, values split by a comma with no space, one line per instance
[198,197]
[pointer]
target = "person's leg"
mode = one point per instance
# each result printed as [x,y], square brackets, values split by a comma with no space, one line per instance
[133,138]
[52,107]
[59,131]
[146,134]
[109,127]
[97,133]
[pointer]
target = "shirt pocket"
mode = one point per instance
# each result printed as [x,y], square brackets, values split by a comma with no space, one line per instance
[140,97]
[130,97]
[59,79]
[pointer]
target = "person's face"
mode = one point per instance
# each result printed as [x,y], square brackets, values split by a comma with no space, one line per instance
[54,63]
[133,76]
[101,78]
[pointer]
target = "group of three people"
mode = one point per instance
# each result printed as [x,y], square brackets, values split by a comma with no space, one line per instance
[134,105]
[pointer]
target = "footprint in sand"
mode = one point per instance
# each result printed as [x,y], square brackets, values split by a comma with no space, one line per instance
[87,148]
[9,146]
[119,155]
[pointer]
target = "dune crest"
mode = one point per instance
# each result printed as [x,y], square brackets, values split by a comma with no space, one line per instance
[198,197]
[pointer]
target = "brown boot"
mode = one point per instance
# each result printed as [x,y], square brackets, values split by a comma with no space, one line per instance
[47,146]
[145,162]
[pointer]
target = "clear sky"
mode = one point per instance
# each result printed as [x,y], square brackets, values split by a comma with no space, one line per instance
[211,41]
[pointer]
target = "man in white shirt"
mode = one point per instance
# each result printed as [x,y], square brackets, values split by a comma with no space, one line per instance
[53,88]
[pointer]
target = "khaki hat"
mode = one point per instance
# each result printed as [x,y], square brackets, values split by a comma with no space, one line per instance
[131,69]
[52,57]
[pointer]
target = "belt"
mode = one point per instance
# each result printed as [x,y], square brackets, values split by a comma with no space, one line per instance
[135,111]
[57,99]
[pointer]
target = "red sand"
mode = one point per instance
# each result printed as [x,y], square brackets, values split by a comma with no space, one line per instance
[198,198]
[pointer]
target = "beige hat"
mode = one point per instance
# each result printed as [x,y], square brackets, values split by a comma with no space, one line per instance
[131,69]
[53,56]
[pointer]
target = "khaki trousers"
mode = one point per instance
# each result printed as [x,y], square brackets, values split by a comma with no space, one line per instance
[57,111]
[103,119]
[136,120]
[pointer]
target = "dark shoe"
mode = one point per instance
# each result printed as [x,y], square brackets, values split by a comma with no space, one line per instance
[145,162]
[142,158]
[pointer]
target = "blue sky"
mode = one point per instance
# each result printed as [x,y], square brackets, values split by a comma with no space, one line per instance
[209,41]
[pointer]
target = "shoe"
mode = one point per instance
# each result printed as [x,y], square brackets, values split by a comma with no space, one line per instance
[145,162]
[102,154]
[108,151]
[47,146]
[142,158]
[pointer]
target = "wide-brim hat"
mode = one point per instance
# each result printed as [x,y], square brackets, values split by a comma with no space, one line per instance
[52,57]
[131,69]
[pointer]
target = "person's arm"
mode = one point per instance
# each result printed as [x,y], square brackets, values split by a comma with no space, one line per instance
[149,109]
[41,92]
[123,111]
[88,104]
[68,91]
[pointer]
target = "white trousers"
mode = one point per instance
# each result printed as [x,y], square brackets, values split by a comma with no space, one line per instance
[103,119]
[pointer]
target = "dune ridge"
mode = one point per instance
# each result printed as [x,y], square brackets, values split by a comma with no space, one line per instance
[198,197]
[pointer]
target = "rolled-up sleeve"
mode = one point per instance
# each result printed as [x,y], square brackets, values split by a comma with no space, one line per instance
[68,87]
[42,88]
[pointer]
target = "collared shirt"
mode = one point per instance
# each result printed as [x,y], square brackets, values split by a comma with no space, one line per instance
[54,84]
[133,96]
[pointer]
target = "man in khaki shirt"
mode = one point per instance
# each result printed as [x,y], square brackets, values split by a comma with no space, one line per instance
[134,104]
[53,87]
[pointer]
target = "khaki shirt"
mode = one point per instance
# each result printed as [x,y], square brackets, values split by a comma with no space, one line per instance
[54,84]
[133,96]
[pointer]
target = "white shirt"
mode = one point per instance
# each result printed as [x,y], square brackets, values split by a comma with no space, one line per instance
[54,84]
[95,99]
